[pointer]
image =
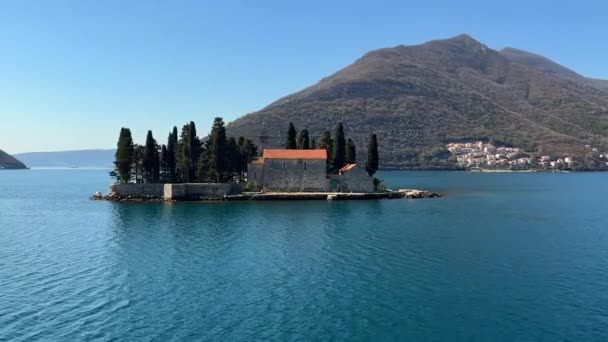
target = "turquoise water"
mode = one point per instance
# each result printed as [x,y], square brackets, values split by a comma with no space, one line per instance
[504,257]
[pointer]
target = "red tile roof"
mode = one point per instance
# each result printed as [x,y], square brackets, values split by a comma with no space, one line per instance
[347,167]
[294,154]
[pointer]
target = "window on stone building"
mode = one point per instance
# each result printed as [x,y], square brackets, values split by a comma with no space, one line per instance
[283,165]
[304,165]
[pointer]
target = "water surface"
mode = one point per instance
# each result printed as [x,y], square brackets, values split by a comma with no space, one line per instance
[503,257]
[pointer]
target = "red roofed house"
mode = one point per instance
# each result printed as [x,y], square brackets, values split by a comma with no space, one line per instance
[282,170]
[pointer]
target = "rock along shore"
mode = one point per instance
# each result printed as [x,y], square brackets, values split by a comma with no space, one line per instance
[278,196]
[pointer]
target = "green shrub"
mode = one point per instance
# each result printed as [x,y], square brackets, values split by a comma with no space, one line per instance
[379,185]
[250,186]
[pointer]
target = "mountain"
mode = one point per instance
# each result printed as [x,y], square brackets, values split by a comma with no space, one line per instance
[547,66]
[78,158]
[418,98]
[9,162]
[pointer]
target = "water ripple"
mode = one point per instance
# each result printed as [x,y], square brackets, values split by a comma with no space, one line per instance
[486,264]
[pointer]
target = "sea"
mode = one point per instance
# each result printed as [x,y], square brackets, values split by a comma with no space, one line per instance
[502,257]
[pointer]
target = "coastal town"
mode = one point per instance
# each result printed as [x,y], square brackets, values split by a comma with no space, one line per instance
[481,155]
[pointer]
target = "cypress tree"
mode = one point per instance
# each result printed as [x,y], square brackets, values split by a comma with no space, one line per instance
[242,157]
[189,151]
[351,153]
[204,164]
[174,148]
[195,145]
[291,143]
[247,150]
[184,155]
[123,158]
[339,150]
[371,166]
[217,159]
[303,140]
[138,156]
[325,142]
[313,144]
[233,156]
[165,172]
[150,160]
[195,150]
[171,157]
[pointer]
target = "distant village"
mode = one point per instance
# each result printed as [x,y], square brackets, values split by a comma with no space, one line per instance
[483,155]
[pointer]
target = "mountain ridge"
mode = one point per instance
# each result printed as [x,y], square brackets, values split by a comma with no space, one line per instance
[419,97]
[99,158]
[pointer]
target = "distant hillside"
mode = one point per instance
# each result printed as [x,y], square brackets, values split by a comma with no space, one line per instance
[9,162]
[79,158]
[418,98]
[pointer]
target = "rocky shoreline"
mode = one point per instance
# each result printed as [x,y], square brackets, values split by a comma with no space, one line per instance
[294,196]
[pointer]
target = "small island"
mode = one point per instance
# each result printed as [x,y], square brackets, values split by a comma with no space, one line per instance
[188,168]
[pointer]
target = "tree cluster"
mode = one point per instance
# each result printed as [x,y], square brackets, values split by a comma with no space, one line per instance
[340,151]
[184,159]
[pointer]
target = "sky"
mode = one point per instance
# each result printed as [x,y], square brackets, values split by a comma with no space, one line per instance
[72,73]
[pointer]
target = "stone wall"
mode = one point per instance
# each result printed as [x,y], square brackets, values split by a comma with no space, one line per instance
[180,191]
[255,175]
[356,180]
[292,175]
[138,190]
[194,191]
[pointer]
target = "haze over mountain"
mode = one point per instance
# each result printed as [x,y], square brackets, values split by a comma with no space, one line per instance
[78,158]
[418,98]
[9,162]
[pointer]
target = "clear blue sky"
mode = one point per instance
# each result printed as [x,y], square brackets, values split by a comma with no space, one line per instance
[73,72]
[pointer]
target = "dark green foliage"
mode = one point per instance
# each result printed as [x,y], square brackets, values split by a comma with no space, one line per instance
[248,151]
[233,154]
[204,165]
[196,149]
[172,145]
[165,170]
[379,185]
[225,159]
[220,154]
[222,160]
[325,142]
[189,151]
[371,166]
[138,168]
[303,140]
[215,163]
[184,155]
[123,162]
[291,142]
[339,148]
[351,153]
[150,161]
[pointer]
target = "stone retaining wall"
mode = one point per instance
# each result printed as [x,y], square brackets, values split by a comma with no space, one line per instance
[194,191]
[138,190]
[180,191]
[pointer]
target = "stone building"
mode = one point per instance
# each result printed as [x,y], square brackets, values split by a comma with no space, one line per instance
[352,178]
[255,170]
[282,170]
